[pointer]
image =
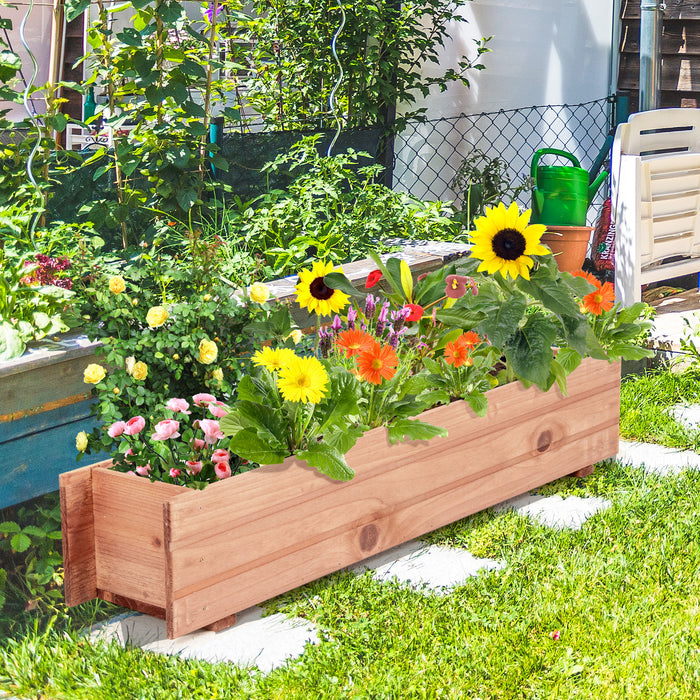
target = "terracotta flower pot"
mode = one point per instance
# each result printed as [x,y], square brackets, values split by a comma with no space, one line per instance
[569,245]
[198,557]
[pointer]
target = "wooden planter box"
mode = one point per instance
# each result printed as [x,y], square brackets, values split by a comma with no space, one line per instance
[198,557]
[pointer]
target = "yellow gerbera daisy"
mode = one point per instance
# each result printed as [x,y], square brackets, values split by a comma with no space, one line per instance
[315,295]
[504,240]
[303,379]
[272,360]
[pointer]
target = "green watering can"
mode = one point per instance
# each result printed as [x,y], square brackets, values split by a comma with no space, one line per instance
[561,194]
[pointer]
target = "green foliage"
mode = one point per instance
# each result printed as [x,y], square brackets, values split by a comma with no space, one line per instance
[31,574]
[332,210]
[484,181]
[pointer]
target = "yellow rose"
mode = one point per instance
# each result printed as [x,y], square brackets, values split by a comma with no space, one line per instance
[296,336]
[208,352]
[139,371]
[157,316]
[207,297]
[117,285]
[94,373]
[176,357]
[81,441]
[218,375]
[259,293]
[129,364]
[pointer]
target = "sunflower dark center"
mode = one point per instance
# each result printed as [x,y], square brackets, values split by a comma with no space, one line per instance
[320,290]
[509,244]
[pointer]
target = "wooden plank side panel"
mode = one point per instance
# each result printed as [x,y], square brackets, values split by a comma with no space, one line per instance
[678,73]
[78,534]
[129,549]
[478,487]
[678,37]
[675,9]
[210,582]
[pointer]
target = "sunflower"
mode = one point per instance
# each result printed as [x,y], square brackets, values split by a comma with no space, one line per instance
[599,300]
[377,363]
[315,295]
[272,360]
[303,379]
[353,341]
[503,240]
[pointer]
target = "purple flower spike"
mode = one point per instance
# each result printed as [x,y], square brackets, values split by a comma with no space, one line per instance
[336,325]
[370,306]
[381,321]
[352,315]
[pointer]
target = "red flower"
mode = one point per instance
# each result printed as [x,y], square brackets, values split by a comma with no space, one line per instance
[377,363]
[372,278]
[416,312]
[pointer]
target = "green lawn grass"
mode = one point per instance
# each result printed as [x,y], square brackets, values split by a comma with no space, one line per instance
[623,594]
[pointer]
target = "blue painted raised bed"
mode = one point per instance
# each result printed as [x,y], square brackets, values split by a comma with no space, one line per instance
[44,404]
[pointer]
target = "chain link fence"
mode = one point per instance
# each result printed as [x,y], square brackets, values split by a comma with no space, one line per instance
[427,155]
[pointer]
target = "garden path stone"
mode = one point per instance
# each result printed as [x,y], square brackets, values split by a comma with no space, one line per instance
[554,511]
[688,416]
[265,642]
[657,459]
[429,568]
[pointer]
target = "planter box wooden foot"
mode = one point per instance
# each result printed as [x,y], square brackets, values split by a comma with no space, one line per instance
[196,557]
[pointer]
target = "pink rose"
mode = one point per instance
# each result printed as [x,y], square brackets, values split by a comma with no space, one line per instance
[203,399]
[199,444]
[215,408]
[211,430]
[220,456]
[116,429]
[179,406]
[222,469]
[174,473]
[135,425]
[194,467]
[166,429]
[144,470]
[131,472]
[129,452]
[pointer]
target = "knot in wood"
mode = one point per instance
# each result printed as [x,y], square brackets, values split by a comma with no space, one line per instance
[544,441]
[369,536]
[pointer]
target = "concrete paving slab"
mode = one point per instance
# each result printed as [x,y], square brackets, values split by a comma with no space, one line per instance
[265,642]
[657,459]
[688,416]
[554,511]
[430,568]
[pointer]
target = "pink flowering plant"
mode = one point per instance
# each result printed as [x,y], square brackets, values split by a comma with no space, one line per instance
[175,450]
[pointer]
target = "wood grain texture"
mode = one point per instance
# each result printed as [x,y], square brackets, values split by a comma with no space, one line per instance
[675,9]
[78,534]
[204,555]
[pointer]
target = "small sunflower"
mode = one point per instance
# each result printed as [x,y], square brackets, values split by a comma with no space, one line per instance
[315,295]
[503,240]
[303,379]
[272,360]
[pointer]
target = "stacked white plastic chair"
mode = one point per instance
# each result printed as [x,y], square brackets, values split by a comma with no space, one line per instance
[656,199]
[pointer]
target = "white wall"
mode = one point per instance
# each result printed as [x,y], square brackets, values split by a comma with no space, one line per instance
[543,52]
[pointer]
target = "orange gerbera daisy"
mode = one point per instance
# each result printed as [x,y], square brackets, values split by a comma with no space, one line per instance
[457,353]
[376,363]
[353,341]
[471,339]
[587,276]
[602,299]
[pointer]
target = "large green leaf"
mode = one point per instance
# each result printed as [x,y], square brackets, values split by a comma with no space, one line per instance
[552,293]
[408,429]
[342,401]
[343,440]
[529,351]
[328,460]
[337,280]
[478,403]
[461,317]
[569,359]
[75,8]
[11,343]
[248,444]
[264,420]
[503,319]
[576,332]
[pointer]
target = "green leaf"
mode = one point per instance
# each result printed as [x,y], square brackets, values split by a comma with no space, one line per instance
[11,343]
[130,37]
[529,351]
[502,319]
[558,373]
[344,393]
[34,531]
[20,542]
[75,8]
[576,332]
[406,428]
[478,403]
[627,351]
[569,359]
[328,460]
[337,280]
[552,293]
[248,444]
[8,527]
[461,317]
[343,440]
